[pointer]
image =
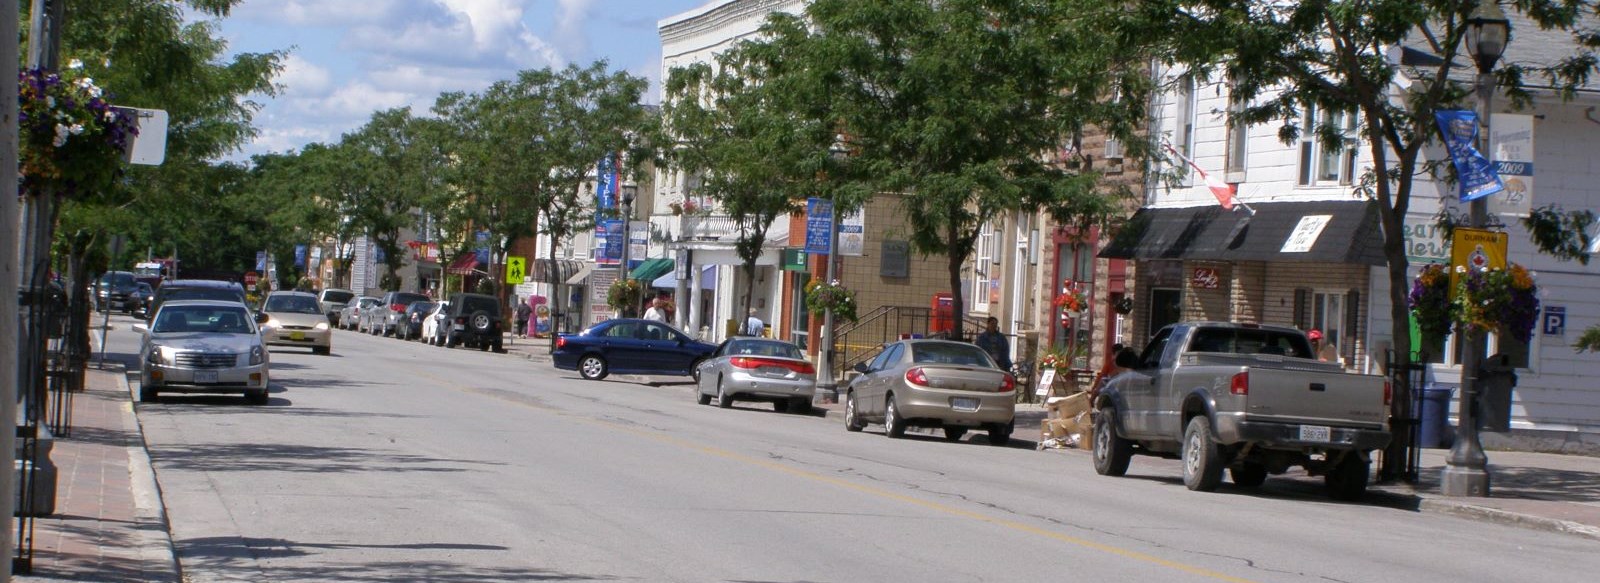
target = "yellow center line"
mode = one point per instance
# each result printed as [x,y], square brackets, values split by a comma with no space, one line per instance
[870,490]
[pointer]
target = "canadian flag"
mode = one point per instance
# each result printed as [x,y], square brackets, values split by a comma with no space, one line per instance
[1222,190]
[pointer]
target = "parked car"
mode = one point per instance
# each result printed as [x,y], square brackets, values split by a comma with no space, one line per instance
[476,321]
[139,302]
[350,314]
[113,289]
[198,289]
[1248,398]
[629,346]
[391,308]
[757,369]
[203,346]
[296,319]
[932,383]
[332,301]
[370,320]
[434,326]
[410,325]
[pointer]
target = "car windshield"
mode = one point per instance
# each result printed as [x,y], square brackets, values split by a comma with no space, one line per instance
[406,299]
[423,307]
[119,279]
[292,304]
[211,319]
[764,348]
[337,296]
[942,353]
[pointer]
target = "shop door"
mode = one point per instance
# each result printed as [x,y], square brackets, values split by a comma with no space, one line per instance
[1166,307]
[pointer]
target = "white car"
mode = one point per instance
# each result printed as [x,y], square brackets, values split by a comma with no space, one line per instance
[433,327]
[296,319]
[203,346]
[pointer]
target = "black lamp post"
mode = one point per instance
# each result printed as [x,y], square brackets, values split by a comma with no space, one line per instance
[827,387]
[628,192]
[1466,472]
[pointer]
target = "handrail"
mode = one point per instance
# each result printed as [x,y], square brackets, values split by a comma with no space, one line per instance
[864,339]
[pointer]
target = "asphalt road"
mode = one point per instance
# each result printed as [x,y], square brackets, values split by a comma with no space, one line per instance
[396,461]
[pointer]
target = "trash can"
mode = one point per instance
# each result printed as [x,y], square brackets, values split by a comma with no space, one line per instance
[1434,412]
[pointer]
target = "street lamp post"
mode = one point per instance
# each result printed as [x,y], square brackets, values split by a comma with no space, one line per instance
[628,192]
[827,389]
[1466,472]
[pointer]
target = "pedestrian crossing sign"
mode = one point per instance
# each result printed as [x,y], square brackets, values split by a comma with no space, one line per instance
[516,268]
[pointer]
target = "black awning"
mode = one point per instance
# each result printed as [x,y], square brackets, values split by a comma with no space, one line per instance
[1352,233]
[558,271]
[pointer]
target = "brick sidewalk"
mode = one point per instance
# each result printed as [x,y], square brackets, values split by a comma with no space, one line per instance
[109,524]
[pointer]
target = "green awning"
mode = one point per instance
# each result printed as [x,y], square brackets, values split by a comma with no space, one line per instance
[652,269]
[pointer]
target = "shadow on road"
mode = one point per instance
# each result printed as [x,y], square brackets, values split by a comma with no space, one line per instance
[249,457]
[219,555]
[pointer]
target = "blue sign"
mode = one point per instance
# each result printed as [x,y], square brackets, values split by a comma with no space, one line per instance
[300,256]
[1477,176]
[483,249]
[261,261]
[613,242]
[1555,321]
[605,189]
[819,225]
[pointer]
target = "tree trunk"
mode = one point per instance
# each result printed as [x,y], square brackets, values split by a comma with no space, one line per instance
[1392,210]
[957,295]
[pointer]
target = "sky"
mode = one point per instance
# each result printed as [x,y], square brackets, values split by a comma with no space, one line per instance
[349,58]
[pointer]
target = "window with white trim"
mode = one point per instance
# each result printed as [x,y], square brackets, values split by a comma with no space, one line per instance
[1319,164]
[1187,115]
[1238,138]
[983,267]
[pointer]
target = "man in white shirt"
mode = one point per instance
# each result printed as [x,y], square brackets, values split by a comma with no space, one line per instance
[655,313]
[753,326]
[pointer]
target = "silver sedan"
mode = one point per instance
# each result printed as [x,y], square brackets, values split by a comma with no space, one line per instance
[757,369]
[203,346]
[932,383]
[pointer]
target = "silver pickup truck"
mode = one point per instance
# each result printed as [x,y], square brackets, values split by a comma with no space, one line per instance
[1248,398]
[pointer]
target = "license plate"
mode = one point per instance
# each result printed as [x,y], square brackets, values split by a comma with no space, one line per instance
[205,376]
[964,404]
[297,335]
[458,327]
[1315,433]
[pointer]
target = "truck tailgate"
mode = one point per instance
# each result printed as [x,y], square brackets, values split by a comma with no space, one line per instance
[1323,398]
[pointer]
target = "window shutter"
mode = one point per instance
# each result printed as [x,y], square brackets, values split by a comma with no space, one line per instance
[1352,323]
[1302,308]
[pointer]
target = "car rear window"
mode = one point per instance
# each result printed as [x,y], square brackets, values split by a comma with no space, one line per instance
[473,304]
[337,296]
[169,294]
[941,353]
[406,299]
[1250,341]
[765,348]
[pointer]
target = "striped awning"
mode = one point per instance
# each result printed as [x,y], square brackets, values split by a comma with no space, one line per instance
[559,270]
[463,265]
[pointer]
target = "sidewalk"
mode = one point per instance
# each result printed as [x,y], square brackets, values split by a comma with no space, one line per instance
[109,523]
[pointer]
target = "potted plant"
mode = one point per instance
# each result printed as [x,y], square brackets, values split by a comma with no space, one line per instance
[1430,304]
[70,136]
[1503,301]
[821,297]
[624,294]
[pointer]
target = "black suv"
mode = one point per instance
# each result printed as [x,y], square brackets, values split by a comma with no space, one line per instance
[475,320]
[195,289]
[114,290]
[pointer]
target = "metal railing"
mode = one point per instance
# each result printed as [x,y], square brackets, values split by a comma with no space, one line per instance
[697,227]
[864,339]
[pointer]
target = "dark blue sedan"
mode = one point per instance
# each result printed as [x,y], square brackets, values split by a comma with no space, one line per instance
[629,346]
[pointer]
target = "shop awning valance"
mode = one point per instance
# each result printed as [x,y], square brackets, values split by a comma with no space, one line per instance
[559,270]
[463,265]
[1338,231]
[652,268]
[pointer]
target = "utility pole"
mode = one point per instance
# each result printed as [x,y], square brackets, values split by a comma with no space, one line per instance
[9,239]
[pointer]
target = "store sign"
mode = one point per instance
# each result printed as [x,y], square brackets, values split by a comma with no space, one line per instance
[1205,278]
[1424,242]
[1305,233]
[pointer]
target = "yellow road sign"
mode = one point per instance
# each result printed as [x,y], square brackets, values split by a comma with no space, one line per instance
[1475,249]
[516,268]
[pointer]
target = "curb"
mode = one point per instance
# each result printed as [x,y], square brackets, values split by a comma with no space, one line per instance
[1506,517]
[147,496]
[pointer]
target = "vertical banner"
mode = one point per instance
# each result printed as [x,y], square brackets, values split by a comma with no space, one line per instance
[483,250]
[853,234]
[1511,146]
[1476,175]
[316,260]
[611,246]
[638,243]
[819,225]
[299,256]
[605,189]
[261,261]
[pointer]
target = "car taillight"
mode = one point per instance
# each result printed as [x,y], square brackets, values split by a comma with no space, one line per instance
[1388,393]
[461,320]
[1240,384]
[1009,384]
[747,362]
[917,376]
[561,342]
[397,307]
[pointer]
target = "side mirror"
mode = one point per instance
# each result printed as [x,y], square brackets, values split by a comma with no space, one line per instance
[861,367]
[141,328]
[262,317]
[1127,359]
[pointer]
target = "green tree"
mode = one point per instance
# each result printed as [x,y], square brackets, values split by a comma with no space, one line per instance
[1334,55]
[391,164]
[956,104]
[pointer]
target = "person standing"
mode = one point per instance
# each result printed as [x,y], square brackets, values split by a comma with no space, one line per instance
[995,343]
[656,313]
[524,311]
[753,326]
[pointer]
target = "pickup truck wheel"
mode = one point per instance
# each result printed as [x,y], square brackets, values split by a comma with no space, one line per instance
[1111,452]
[1348,480]
[1248,474]
[1202,458]
[852,416]
[893,425]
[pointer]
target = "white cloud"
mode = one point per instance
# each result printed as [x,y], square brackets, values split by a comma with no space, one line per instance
[301,77]
[314,12]
[481,33]
[569,33]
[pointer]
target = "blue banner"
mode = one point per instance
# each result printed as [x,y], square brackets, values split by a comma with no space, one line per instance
[605,189]
[1476,175]
[483,249]
[300,256]
[613,242]
[819,225]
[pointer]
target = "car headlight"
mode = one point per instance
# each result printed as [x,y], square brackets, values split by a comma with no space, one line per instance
[154,357]
[321,326]
[257,355]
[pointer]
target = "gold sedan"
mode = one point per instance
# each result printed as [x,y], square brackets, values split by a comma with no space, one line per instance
[296,319]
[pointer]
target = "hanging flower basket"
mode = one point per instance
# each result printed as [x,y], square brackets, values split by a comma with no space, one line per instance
[70,137]
[624,294]
[1498,300]
[1430,302]
[823,297]
[1071,303]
